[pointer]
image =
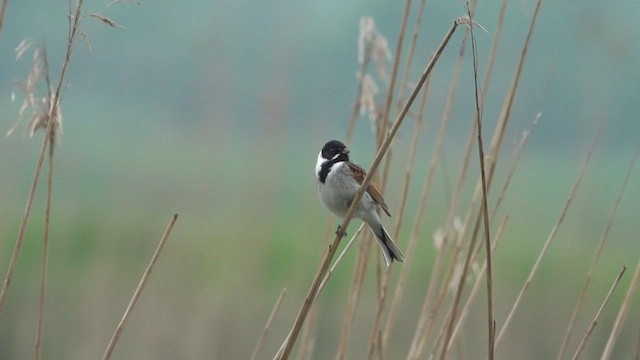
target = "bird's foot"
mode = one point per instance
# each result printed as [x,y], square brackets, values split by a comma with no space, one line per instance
[340,231]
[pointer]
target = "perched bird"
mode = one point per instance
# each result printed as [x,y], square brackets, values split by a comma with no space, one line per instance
[338,180]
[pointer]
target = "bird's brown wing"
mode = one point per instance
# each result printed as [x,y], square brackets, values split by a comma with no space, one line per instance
[359,175]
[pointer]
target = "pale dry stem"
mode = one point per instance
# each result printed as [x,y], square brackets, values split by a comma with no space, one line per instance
[402,279]
[3,8]
[431,172]
[354,294]
[476,286]
[265,331]
[136,294]
[485,207]
[622,315]
[594,322]
[45,255]
[394,72]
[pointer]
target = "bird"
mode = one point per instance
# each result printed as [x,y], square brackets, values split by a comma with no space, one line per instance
[338,179]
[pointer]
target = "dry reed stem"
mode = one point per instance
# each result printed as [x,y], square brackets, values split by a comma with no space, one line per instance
[308,338]
[394,73]
[476,286]
[421,209]
[485,207]
[518,152]
[550,238]
[622,315]
[74,23]
[594,322]
[494,46]
[404,84]
[265,331]
[594,262]
[136,295]
[638,347]
[380,335]
[45,255]
[496,142]
[3,8]
[340,257]
[485,211]
[354,294]
[291,339]
[427,314]
[402,279]
[435,157]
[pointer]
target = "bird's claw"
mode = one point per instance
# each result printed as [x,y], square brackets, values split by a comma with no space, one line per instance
[340,232]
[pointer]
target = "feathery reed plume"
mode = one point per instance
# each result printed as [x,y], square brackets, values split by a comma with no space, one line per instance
[622,315]
[136,295]
[291,339]
[46,116]
[265,331]
[596,257]
[594,322]
[50,131]
[550,238]
[371,45]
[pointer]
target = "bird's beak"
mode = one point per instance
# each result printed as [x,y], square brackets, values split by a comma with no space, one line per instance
[345,151]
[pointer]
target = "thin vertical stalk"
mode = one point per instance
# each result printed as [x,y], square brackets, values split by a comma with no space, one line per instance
[265,331]
[594,322]
[476,286]
[45,255]
[136,294]
[485,207]
[382,129]
[622,315]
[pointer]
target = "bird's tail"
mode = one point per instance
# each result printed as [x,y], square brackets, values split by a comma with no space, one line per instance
[388,248]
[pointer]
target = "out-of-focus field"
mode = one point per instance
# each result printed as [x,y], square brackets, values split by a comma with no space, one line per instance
[250,224]
[217,110]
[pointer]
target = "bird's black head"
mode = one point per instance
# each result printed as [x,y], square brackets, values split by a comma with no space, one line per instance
[336,151]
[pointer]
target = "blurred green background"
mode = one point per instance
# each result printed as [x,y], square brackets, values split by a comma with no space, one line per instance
[216,110]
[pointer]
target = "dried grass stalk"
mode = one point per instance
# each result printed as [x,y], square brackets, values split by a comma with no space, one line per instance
[265,331]
[136,294]
[622,315]
[594,322]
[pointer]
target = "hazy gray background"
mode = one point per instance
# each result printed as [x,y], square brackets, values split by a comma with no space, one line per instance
[216,110]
